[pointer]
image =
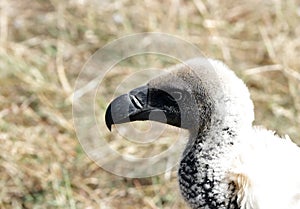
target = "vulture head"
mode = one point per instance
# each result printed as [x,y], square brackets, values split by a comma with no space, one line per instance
[194,95]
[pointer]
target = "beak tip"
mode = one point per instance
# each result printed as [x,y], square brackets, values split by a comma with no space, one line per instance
[122,108]
[108,118]
[108,125]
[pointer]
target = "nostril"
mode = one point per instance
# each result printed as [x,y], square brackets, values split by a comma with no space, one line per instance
[136,102]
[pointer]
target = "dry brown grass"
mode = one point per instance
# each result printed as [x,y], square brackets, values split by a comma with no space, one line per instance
[43,46]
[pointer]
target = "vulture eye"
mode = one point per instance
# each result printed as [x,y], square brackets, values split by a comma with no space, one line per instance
[177,95]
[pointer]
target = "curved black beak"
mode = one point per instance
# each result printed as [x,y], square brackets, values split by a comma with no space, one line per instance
[143,103]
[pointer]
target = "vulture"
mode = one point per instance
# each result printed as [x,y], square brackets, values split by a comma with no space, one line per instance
[227,163]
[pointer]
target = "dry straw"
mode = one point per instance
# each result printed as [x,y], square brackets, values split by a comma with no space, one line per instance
[43,46]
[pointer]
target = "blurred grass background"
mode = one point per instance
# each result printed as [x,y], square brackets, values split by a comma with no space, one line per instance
[44,45]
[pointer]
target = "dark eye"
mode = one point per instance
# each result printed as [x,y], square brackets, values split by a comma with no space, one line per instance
[177,95]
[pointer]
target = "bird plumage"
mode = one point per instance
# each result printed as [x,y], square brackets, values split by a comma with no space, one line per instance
[266,171]
[227,163]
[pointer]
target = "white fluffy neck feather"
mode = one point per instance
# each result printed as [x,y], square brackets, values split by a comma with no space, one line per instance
[266,171]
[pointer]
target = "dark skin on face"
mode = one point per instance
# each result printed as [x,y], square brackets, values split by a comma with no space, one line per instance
[139,103]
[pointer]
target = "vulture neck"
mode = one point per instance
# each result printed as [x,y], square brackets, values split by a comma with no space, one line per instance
[208,155]
[230,114]
[225,113]
[218,136]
